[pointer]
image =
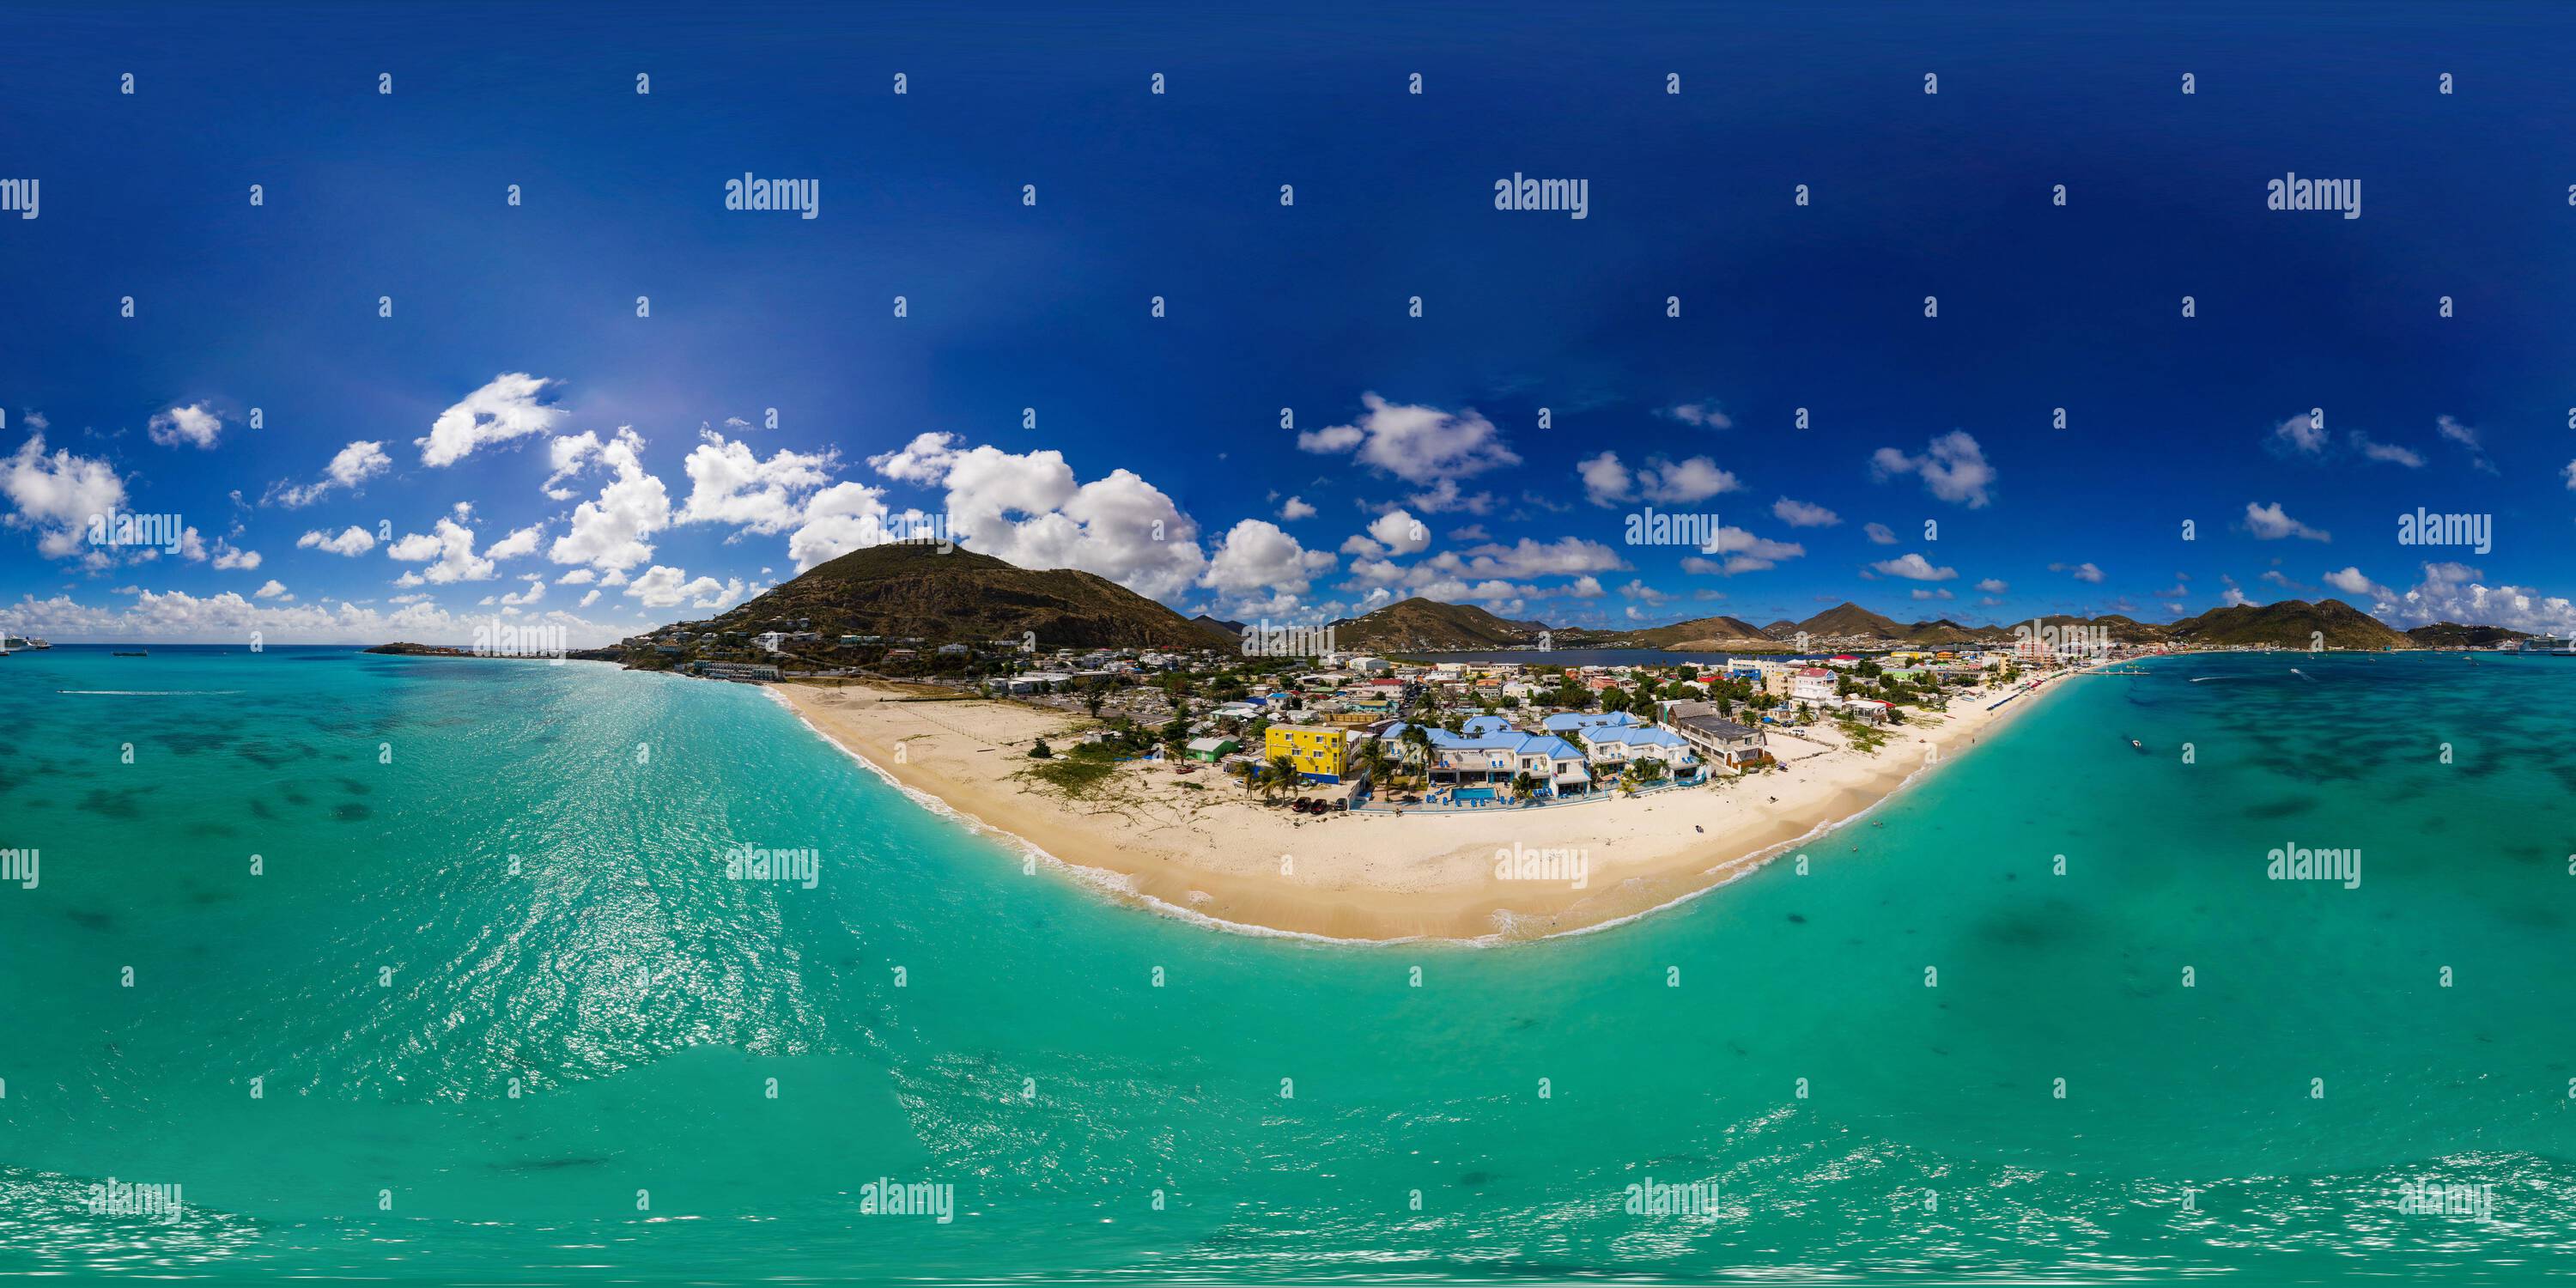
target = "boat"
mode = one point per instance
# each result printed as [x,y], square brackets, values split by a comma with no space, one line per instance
[135,653]
[2137,745]
[2548,646]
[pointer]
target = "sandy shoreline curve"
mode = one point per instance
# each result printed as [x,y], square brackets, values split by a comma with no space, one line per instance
[1216,857]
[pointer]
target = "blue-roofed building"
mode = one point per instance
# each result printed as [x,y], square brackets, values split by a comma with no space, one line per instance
[1496,754]
[1567,722]
[1611,748]
[1478,725]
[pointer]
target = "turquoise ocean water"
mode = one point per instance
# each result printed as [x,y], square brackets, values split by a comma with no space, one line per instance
[472,879]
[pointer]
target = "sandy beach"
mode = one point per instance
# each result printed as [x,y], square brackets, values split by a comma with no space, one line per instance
[1221,855]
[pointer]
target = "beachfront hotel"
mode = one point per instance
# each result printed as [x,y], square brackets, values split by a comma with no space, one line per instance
[1489,752]
[1721,740]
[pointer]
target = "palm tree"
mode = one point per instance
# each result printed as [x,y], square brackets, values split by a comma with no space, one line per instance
[1372,757]
[1418,741]
[1525,784]
[1283,770]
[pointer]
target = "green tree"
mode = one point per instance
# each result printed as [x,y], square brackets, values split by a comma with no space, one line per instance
[1417,741]
[1283,771]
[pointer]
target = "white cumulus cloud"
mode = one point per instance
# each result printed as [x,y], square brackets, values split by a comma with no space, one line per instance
[448,549]
[54,496]
[512,406]
[1952,466]
[2271,523]
[352,540]
[1415,443]
[196,425]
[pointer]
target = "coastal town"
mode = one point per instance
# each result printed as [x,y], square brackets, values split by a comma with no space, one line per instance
[1388,776]
[1354,795]
[1359,730]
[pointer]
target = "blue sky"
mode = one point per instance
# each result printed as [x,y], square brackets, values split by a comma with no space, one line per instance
[603,471]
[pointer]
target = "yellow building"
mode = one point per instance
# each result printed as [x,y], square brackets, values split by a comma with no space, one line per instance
[1317,753]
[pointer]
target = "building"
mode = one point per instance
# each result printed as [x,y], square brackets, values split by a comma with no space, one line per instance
[1717,739]
[1869,710]
[1568,723]
[1812,684]
[1612,747]
[1212,750]
[1317,754]
[744,671]
[1492,753]
[1029,682]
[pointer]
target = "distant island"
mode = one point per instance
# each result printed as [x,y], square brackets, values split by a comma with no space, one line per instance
[405,648]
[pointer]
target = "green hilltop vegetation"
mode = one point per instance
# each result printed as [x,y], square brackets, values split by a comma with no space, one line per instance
[2454,635]
[1422,625]
[905,592]
[1419,625]
[2291,623]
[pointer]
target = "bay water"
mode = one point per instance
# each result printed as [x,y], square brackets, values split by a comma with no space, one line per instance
[433,969]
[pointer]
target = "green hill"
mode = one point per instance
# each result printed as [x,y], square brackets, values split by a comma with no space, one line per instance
[903,591]
[1417,625]
[1850,619]
[2291,623]
[2455,635]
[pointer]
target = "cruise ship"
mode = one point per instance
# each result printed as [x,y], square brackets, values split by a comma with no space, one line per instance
[2553,645]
